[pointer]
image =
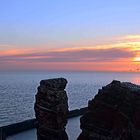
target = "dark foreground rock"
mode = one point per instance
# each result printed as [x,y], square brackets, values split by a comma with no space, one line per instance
[51,109]
[114,114]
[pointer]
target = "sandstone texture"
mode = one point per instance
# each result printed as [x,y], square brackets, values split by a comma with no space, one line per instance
[51,109]
[114,114]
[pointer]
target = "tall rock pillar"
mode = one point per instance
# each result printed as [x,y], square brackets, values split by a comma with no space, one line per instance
[51,109]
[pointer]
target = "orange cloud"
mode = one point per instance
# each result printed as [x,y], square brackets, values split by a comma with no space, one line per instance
[119,56]
[131,37]
[82,59]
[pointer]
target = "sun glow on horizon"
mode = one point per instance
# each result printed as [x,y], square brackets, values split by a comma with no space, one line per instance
[113,56]
[137,59]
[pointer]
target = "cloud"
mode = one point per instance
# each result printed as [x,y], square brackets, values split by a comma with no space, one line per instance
[113,56]
[81,55]
[131,37]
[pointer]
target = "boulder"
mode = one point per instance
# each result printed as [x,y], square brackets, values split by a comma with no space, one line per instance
[51,109]
[113,114]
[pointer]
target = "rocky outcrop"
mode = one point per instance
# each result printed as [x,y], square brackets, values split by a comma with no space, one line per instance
[114,113]
[51,109]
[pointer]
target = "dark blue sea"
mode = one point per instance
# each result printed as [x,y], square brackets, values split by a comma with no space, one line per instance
[18,89]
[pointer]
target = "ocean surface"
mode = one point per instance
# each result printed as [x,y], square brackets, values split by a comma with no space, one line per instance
[18,89]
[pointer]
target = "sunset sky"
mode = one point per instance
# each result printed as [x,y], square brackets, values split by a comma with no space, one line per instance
[70,35]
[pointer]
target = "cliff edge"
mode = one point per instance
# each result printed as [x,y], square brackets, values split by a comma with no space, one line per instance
[113,114]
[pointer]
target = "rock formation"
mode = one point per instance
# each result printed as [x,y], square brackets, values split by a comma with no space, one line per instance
[114,113]
[51,109]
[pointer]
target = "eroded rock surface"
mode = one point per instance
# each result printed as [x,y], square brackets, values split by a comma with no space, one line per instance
[51,109]
[114,113]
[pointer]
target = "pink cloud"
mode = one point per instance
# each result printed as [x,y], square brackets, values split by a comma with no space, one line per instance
[82,59]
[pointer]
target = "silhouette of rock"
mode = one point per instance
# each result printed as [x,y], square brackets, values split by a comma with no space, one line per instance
[51,109]
[114,113]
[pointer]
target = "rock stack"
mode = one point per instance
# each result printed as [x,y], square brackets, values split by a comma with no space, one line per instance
[114,114]
[51,109]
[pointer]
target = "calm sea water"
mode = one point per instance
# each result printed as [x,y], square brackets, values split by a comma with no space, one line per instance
[17,90]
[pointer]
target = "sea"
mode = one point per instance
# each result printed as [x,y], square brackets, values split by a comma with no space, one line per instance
[18,90]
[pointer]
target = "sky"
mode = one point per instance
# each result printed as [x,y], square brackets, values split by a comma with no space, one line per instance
[70,35]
